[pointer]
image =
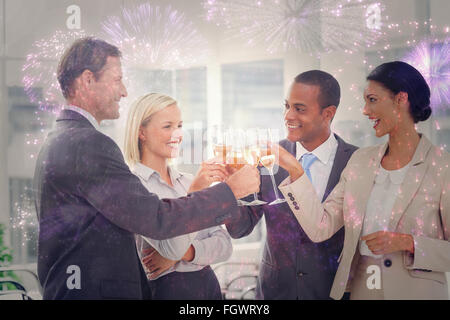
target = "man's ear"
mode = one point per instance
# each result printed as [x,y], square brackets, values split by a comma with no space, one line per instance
[329,112]
[87,77]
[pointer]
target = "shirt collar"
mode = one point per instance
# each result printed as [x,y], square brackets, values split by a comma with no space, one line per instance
[85,114]
[174,173]
[322,152]
[395,176]
[145,172]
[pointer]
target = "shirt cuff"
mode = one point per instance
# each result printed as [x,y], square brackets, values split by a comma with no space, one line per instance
[199,252]
[408,257]
[285,182]
[302,182]
[290,191]
[416,260]
[227,196]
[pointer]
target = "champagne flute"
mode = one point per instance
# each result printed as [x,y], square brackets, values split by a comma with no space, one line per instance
[253,156]
[219,143]
[268,161]
[235,157]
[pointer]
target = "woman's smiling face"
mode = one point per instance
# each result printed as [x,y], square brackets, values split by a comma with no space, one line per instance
[163,134]
[380,107]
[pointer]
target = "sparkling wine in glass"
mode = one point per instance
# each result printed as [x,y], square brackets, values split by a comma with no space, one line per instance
[235,157]
[221,151]
[253,156]
[268,161]
[220,143]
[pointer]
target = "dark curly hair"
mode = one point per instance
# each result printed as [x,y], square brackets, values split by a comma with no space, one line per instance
[398,76]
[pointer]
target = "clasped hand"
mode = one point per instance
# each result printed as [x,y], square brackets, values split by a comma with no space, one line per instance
[155,264]
[384,242]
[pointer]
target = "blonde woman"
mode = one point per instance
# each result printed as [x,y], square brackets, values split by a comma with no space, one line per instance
[177,268]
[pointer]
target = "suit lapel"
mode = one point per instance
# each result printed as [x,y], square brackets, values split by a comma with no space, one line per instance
[279,173]
[411,183]
[343,154]
[365,174]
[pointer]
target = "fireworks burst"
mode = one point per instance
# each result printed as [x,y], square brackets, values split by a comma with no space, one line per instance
[39,71]
[432,59]
[408,34]
[155,38]
[307,25]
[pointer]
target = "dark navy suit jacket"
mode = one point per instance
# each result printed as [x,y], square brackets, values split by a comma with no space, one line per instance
[293,267]
[89,207]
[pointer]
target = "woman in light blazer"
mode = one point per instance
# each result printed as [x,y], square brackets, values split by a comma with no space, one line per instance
[393,199]
[177,268]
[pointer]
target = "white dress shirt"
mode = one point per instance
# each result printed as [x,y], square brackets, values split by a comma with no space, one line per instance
[321,168]
[380,204]
[211,245]
[85,114]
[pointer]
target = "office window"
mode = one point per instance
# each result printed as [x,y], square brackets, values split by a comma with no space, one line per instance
[190,92]
[253,97]
[253,94]
[27,125]
[23,221]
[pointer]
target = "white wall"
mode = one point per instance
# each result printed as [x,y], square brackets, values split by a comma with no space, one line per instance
[4,185]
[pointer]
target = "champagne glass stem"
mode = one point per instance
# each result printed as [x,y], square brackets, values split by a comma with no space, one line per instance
[277,196]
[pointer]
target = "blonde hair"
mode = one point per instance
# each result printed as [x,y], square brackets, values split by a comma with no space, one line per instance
[140,115]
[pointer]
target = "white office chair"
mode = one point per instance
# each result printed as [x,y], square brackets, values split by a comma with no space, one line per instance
[239,281]
[11,289]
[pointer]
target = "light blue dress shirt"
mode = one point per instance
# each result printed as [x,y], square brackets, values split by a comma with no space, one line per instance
[320,170]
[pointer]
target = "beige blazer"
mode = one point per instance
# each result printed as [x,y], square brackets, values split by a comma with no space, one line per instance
[422,209]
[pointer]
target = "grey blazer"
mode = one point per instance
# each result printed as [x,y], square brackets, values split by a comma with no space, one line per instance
[293,267]
[89,207]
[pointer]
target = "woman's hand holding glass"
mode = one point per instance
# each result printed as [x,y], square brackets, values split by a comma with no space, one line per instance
[229,161]
[210,172]
[231,152]
[237,148]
